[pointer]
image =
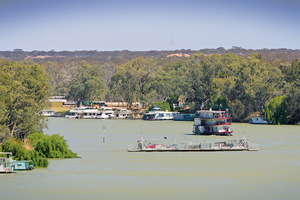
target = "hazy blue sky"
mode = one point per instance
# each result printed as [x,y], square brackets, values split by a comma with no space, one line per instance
[148,25]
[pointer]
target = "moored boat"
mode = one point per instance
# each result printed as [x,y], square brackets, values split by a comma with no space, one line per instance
[122,114]
[6,163]
[259,120]
[48,113]
[208,122]
[106,113]
[158,114]
[183,117]
[20,165]
[83,113]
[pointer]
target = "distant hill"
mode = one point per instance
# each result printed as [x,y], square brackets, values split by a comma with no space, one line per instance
[117,57]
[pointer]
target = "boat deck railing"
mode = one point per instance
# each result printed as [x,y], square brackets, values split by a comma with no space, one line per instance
[230,144]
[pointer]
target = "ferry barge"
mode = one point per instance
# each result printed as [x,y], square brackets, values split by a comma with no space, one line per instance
[208,122]
[151,145]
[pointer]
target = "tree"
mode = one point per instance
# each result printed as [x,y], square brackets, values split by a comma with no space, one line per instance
[276,110]
[24,93]
[199,80]
[133,80]
[61,74]
[88,83]
[171,81]
[293,93]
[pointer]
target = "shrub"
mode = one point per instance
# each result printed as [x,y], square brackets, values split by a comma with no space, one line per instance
[45,147]
[276,110]
[19,152]
[54,146]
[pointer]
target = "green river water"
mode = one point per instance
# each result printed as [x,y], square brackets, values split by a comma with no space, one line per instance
[108,171]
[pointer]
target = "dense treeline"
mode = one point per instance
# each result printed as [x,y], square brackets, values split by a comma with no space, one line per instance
[120,57]
[244,85]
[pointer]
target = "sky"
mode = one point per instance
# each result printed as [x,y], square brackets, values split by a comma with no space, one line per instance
[140,25]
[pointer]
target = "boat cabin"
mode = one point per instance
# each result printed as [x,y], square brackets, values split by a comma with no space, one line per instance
[6,162]
[208,122]
[48,113]
[158,114]
[22,165]
[259,120]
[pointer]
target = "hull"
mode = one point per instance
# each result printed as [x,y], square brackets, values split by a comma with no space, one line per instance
[150,145]
[194,149]
[197,131]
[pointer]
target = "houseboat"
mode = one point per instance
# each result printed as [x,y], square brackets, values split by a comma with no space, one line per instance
[259,120]
[183,117]
[83,113]
[158,114]
[151,145]
[106,113]
[122,114]
[6,162]
[88,113]
[72,114]
[22,165]
[208,122]
[48,113]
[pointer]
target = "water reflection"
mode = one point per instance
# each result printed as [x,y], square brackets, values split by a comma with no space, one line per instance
[108,171]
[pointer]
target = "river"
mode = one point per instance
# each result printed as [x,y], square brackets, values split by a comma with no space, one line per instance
[107,171]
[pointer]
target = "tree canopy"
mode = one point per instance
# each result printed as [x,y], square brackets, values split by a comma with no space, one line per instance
[87,83]
[243,83]
[24,91]
[132,81]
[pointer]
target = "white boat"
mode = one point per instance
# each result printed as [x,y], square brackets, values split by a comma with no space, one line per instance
[151,145]
[122,114]
[6,163]
[88,113]
[83,113]
[106,113]
[48,113]
[158,114]
[259,120]
[208,122]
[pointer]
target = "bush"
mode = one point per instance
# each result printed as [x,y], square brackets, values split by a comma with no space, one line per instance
[45,147]
[54,146]
[19,152]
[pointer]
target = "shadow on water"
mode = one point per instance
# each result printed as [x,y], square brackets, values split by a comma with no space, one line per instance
[189,134]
